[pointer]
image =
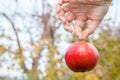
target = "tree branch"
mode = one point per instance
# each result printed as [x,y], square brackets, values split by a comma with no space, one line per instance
[17,39]
[36,59]
[14,29]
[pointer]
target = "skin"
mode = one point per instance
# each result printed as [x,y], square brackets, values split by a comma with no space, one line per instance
[82,11]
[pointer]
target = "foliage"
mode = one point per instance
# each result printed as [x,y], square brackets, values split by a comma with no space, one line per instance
[2,50]
[44,42]
[109,49]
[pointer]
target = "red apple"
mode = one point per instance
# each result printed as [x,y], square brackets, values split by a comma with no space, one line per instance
[81,56]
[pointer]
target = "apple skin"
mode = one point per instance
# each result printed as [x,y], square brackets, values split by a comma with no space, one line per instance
[81,56]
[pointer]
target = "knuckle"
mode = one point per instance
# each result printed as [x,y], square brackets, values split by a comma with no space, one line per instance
[65,28]
[91,30]
[62,19]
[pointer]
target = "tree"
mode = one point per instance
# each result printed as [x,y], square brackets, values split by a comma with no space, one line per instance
[46,38]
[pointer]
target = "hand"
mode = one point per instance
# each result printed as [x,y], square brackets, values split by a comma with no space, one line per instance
[82,11]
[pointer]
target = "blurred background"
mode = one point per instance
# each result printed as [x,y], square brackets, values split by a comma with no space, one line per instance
[33,43]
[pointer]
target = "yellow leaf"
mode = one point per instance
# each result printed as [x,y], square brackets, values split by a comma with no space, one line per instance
[21,61]
[52,48]
[91,77]
[2,50]
[48,55]
[36,48]
[60,75]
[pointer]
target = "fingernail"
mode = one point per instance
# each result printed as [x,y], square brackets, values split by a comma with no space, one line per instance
[67,28]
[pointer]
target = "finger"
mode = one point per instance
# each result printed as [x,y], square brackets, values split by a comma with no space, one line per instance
[61,13]
[62,16]
[69,17]
[58,8]
[63,1]
[91,28]
[77,28]
[67,27]
[63,19]
[66,7]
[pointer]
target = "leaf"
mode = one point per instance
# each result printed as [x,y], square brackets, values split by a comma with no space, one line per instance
[60,75]
[21,61]
[91,77]
[118,77]
[36,48]
[2,50]
[52,48]
[48,55]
